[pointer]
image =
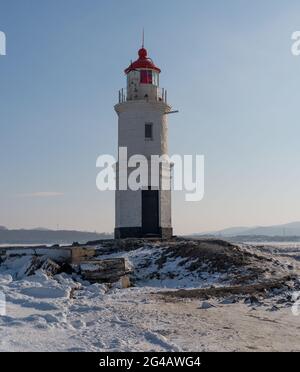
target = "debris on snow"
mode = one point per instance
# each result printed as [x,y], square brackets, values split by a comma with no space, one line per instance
[206,305]
[54,304]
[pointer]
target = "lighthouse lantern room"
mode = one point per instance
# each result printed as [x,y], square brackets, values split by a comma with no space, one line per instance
[143,129]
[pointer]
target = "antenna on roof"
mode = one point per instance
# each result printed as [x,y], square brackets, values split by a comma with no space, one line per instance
[143,39]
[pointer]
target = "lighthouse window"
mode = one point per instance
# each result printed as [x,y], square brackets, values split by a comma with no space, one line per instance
[155,78]
[149,131]
[146,77]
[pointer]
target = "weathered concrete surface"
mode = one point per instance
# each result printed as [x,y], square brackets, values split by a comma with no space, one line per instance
[105,271]
[72,255]
[59,254]
[80,254]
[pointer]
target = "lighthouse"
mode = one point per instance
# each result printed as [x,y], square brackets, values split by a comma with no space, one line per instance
[143,130]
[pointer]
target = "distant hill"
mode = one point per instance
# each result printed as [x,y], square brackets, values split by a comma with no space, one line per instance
[44,236]
[3,228]
[289,229]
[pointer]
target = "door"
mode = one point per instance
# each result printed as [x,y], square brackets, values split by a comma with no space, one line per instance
[150,214]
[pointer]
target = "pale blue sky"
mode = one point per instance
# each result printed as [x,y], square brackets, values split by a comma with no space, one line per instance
[227,66]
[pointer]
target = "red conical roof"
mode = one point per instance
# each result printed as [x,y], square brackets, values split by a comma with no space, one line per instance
[142,62]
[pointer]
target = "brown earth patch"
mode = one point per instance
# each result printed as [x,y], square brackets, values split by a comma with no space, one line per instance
[220,292]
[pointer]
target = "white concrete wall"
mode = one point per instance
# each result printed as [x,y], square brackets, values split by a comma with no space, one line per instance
[165,209]
[133,115]
[131,131]
[128,208]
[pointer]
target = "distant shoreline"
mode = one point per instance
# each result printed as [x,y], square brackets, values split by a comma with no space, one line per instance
[249,238]
[48,237]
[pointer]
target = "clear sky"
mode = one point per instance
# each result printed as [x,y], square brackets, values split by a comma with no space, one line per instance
[228,68]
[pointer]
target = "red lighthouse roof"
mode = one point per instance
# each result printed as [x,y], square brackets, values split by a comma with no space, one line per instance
[142,62]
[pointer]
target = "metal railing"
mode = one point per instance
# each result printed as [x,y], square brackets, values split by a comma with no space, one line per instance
[122,95]
[162,96]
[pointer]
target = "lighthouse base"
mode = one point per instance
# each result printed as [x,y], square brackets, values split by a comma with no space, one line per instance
[137,232]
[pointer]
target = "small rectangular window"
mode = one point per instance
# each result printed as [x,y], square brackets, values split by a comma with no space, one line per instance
[149,131]
[146,77]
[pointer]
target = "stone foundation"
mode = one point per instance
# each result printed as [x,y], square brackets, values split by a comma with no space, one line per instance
[137,232]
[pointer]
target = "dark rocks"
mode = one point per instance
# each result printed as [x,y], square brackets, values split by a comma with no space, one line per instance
[229,300]
[206,305]
[34,265]
[252,300]
[50,267]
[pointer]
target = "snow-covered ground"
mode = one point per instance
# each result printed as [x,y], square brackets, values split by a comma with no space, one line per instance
[64,313]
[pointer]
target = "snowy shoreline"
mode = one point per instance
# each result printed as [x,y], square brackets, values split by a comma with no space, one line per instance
[62,312]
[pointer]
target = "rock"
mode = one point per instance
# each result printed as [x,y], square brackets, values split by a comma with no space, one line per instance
[229,300]
[253,300]
[290,284]
[206,305]
[81,254]
[34,265]
[105,271]
[281,301]
[277,291]
[123,283]
[66,268]
[50,267]
[289,298]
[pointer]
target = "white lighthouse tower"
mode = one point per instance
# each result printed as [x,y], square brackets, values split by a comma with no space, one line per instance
[143,130]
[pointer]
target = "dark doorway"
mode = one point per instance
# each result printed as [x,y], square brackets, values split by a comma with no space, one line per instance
[150,214]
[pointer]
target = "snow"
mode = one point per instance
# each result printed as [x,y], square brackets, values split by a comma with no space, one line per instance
[173,274]
[58,254]
[64,313]
[42,315]
[46,292]
[89,267]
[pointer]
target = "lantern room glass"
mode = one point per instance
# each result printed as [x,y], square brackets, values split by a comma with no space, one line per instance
[155,78]
[149,77]
[146,77]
